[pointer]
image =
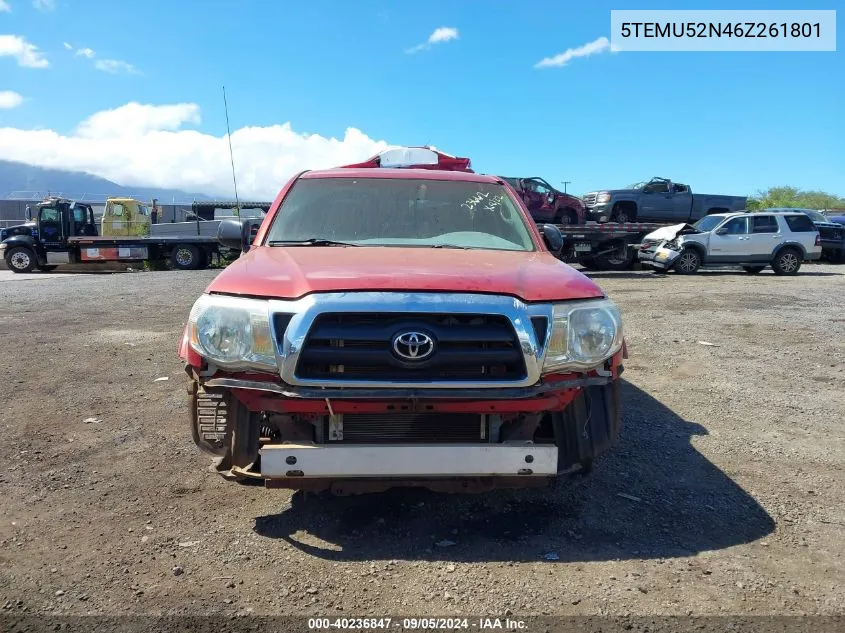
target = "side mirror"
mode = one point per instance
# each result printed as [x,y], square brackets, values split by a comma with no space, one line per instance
[722,231]
[233,233]
[28,214]
[553,238]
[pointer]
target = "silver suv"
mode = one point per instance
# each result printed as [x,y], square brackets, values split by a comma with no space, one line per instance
[752,240]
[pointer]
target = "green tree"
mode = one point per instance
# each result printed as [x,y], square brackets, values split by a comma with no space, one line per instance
[794,198]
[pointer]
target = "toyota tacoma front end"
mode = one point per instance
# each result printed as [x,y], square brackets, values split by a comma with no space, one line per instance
[402,327]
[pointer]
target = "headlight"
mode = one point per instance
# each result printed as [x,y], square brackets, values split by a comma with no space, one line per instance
[604,196]
[584,335]
[232,332]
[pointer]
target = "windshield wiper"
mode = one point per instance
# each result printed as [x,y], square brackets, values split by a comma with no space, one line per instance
[314,241]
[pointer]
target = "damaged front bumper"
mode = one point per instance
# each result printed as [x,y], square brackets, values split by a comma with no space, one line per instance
[659,257]
[328,439]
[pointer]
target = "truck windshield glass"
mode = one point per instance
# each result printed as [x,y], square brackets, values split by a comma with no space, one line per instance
[401,212]
[708,222]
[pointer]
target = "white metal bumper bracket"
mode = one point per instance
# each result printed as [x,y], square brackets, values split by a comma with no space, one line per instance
[406,460]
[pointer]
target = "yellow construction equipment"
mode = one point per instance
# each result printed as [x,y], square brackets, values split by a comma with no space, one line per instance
[126,217]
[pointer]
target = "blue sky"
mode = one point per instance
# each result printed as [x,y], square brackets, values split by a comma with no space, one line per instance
[723,122]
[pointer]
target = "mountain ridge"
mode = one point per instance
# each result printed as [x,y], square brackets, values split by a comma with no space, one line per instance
[21,178]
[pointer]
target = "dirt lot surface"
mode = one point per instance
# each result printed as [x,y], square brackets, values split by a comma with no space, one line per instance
[726,493]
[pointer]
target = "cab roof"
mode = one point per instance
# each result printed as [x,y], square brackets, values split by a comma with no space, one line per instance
[393,172]
[413,162]
[736,214]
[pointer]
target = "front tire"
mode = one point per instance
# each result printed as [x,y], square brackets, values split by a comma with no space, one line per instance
[623,215]
[689,261]
[566,217]
[21,260]
[787,262]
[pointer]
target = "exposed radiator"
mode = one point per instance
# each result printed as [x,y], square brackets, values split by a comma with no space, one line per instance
[406,427]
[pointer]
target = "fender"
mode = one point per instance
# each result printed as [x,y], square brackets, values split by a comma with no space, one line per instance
[698,247]
[625,197]
[791,244]
[29,242]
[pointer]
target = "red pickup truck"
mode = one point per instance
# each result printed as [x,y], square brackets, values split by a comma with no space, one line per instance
[547,204]
[402,322]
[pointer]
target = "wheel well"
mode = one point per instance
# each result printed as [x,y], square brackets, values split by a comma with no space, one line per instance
[572,213]
[790,245]
[698,248]
[629,205]
[27,247]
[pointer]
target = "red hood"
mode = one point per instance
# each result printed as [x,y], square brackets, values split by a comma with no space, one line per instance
[290,273]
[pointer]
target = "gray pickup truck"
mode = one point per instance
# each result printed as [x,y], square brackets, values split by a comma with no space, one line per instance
[657,200]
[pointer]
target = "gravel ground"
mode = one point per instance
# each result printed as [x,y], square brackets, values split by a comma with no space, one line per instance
[725,494]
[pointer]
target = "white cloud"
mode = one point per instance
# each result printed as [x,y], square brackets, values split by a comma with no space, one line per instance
[87,53]
[443,34]
[9,99]
[25,53]
[4,6]
[44,5]
[148,145]
[115,66]
[438,36]
[595,47]
[67,46]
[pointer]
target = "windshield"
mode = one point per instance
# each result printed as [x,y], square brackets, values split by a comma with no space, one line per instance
[708,222]
[401,212]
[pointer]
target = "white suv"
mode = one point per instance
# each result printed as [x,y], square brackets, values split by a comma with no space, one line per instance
[751,240]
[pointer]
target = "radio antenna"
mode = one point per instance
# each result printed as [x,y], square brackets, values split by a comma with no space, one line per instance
[231,155]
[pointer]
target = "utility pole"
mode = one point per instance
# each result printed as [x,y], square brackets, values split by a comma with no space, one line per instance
[566,182]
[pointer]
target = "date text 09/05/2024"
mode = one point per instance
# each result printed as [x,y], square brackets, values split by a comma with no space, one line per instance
[415,623]
[710,29]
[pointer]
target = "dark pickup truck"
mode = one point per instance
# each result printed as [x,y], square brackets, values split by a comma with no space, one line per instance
[547,204]
[657,200]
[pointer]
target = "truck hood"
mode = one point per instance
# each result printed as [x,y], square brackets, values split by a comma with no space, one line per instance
[614,192]
[292,272]
[670,232]
[828,225]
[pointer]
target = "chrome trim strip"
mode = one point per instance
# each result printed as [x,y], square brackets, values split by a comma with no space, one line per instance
[308,308]
[365,393]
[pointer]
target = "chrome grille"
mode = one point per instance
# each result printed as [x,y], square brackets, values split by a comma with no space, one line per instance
[468,347]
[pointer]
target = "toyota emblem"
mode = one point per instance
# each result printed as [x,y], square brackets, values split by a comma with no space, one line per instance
[413,345]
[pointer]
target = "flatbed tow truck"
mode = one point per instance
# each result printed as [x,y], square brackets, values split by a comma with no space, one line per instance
[64,231]
[605,246]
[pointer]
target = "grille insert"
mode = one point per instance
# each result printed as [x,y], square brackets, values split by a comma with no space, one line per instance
[470,347]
